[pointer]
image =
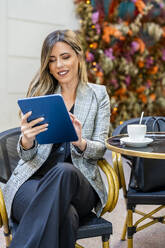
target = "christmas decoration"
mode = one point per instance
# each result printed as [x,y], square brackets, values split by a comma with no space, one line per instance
[124,45]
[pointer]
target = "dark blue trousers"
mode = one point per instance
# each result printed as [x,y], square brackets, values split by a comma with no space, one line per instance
[48,209]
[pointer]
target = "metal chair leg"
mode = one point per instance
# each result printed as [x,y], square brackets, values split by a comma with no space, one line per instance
[130,228]
[105,240]
[7,239]
[124,230]
[106,244]
[78,246]
[130,243]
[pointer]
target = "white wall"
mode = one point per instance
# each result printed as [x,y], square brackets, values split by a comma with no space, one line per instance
[24,24]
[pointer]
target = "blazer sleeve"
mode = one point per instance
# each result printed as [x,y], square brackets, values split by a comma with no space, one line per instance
[96,145]
[26,155]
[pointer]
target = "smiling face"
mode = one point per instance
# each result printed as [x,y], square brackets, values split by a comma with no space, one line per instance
[63,64]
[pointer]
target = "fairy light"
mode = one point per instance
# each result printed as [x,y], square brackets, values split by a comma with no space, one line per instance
[93,26]
[115,109]
[95,69]
[121,122]
[94,63]
[88,1]
[80,21]
[91,45]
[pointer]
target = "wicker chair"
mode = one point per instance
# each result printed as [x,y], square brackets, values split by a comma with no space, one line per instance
[91,226]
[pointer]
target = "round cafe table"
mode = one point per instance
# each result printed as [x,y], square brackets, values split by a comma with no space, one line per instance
[156,149]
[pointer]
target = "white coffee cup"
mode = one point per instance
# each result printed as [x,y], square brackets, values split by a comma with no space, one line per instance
[136,132]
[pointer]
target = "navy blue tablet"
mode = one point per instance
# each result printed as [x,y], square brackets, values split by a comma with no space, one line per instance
[55,113]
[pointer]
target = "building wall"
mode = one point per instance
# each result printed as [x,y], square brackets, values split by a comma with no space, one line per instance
[23,27]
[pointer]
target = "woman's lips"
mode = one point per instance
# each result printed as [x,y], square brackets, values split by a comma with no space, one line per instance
[62,73]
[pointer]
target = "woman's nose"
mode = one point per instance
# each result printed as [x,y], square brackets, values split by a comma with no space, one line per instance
[59,63]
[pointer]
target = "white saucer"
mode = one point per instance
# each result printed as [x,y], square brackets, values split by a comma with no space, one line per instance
[140,143]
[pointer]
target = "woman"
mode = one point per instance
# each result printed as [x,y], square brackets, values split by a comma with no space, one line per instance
[54,185]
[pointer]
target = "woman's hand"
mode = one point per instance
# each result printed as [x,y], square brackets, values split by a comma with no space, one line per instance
[81,143]
[28,130]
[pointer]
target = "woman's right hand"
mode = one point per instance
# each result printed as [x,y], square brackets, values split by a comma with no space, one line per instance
[29,130]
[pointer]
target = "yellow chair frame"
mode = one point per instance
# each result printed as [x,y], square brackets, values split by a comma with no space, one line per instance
[118,166]
[113,193]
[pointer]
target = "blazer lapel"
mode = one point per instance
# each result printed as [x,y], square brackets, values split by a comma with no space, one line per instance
[83,101]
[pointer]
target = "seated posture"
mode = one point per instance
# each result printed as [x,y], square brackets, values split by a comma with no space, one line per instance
[55,185]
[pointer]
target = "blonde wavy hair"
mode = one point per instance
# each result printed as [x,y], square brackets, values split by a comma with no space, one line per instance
[44,83]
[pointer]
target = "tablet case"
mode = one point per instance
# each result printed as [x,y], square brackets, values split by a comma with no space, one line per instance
[53,109]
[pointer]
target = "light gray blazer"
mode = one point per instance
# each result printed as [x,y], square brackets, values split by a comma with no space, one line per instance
[92,108]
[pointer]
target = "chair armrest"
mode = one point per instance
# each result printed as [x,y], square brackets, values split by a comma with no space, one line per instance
[113,185]
[118,166]
[4,220]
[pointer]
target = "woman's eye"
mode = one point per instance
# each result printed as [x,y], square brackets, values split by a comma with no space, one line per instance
[52,60]
[66,57]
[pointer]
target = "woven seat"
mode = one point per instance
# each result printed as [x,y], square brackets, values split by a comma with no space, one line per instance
[148,198]
[92,226]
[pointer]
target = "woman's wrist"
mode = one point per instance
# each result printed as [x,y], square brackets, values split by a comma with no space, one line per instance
[26,145]
[82,145]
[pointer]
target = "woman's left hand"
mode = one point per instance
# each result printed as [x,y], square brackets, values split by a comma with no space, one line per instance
[81,143]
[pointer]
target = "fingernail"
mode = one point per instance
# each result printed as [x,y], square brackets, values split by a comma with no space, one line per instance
[42,118]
